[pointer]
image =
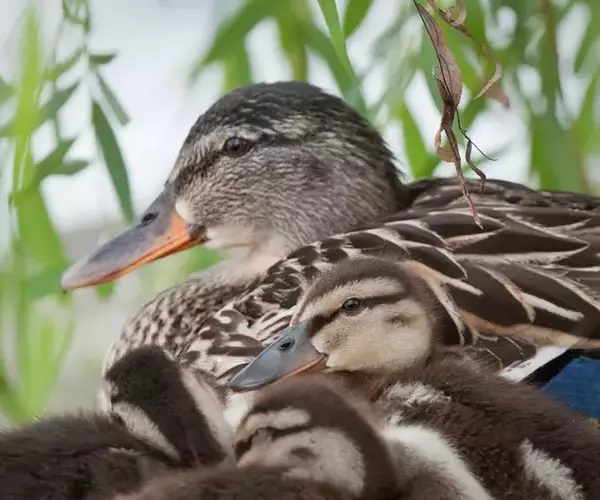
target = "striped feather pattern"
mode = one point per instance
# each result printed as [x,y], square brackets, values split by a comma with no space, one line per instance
[529,278]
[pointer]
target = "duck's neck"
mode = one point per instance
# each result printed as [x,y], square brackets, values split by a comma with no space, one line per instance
[246,262]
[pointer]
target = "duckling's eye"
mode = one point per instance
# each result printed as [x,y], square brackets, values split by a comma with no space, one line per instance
[287,345]
[236,146]
[352,306]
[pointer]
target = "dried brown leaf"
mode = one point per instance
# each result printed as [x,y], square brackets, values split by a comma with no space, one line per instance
[458,24]
[449,74]
[496,93]
[460,17]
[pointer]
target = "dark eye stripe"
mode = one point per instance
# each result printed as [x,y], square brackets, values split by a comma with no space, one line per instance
[320,321]
[243,446]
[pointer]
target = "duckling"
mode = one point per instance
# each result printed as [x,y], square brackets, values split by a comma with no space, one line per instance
[157,417]
[377,319]
[75,457]
[301,440]
[309,438]
[172,407]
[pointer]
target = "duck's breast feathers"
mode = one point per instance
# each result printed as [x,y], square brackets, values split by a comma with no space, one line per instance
[531,273]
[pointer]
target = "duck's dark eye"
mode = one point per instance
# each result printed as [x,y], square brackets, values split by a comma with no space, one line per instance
[352,306]
[287,345]
[236,146]
[149,217]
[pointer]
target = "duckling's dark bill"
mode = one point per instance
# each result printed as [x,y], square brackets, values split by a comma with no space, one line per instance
[166,233]
[291,354]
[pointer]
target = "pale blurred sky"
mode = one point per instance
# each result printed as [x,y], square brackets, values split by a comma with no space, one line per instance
[156,42]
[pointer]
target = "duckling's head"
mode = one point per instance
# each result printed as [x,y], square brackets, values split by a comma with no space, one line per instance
[310,429]
[367,315]
[167,405]
[267,168]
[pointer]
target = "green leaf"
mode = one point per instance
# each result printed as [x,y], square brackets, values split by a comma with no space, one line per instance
[77,12]
[112,101]
[48,165]
[105,290]
[71,167]
[590,38]
[292,26]
[101,59]
[237,69]
[37,233]
[321,44]
[356,11]
[50,110]
[233,31]
[46,282]
[553,156]
[113,159]
[6,91]
[338,40]
[59,69]
[586,124]
[429,64]
[416,152]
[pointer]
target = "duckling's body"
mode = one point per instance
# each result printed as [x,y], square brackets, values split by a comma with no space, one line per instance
[519,442]
[176,409]
[235,484]
[373,324]
[309,439]
[75,458]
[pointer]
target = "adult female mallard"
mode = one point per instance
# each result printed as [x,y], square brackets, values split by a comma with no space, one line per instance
[272,167]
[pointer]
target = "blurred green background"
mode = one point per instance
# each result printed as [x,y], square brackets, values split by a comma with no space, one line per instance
[79,159]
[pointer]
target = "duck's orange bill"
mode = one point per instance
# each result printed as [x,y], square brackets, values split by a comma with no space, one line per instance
[167,233]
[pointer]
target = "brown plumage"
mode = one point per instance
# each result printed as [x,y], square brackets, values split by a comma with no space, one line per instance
[375,324]
[170,406]
[270,168]
[234,484]
[75,457]
[520,443]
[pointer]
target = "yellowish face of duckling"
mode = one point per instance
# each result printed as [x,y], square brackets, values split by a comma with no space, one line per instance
[366,315]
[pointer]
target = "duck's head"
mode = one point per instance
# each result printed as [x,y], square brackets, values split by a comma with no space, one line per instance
[311,429]
[267,168]
[366,315]
[167,405]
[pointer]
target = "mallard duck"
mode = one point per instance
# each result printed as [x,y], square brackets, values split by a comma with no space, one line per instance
[377,321]
[272,167]
[74,457]
[174,408]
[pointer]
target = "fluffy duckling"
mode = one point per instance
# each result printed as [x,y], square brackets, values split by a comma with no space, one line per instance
[374,322]
[300,440]
[160,417]
[309,439]
[73,458]
[174,408]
